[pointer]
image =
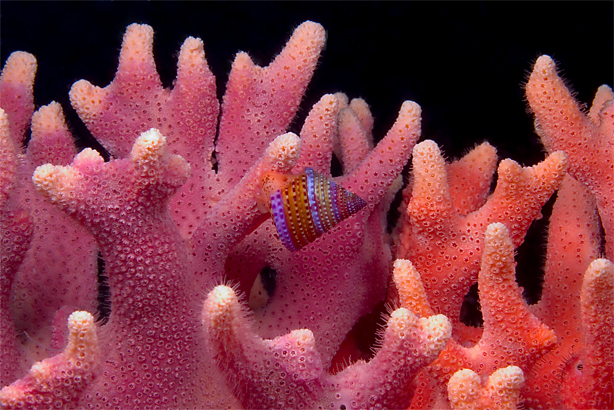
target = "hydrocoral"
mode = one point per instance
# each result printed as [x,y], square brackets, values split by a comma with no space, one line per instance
[197,317]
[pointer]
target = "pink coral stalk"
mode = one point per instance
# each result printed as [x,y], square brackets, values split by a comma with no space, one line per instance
[588,140]
[58,381]
[287,371]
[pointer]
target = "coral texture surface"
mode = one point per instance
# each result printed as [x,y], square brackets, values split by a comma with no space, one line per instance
[206,308]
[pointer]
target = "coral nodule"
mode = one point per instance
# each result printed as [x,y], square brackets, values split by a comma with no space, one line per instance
[239,269]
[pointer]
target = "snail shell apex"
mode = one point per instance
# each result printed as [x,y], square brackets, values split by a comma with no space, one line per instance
[308,206]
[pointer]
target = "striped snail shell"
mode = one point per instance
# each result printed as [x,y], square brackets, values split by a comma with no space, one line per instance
[309,205]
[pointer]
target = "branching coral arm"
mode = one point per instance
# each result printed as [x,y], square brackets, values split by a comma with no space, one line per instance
[469,178]
[573,243]
[59,381]
[409,343]
[283,372]
[371,179]
[317,135]
[589,381]
[520,194]
[124,204]
[251,363]
[135,101]
[16,230]
[502,308]
[588,141]
[16,98]
[51,140]
[260,102]
[603,97]
[355,140]
[60,248]
[410,288]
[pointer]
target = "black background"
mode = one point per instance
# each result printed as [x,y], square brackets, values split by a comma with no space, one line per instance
[464,63]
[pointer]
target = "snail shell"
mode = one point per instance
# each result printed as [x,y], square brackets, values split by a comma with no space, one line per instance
[307,206]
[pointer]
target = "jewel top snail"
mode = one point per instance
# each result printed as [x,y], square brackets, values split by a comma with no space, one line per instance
[306,206]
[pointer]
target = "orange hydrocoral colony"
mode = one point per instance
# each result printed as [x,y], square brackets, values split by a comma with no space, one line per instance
[588,140]
[506,318]
[596,376]
[444,245]
[573,243]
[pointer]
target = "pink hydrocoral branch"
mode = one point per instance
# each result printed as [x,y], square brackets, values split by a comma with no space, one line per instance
[16,96]
[355,139]
[317,136]
[588,141]
[237,214]
[258,106]
[136,101]
[58,381]
[59,271]
[260,102]
[408,344]
[287,371]
[445,246]
[16,230]
[123,204]
[315,150]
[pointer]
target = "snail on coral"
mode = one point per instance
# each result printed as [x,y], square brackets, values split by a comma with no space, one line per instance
[307,205]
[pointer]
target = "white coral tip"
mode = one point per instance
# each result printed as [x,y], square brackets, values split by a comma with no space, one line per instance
[283,152]
[87,156]
[438,329]
[80,319]
[148,147]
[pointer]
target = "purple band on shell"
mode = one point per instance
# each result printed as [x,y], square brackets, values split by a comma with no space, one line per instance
[279,216]
[313,206]
[334,204]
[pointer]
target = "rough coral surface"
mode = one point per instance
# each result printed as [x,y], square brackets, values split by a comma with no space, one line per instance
[287,372]
[443,243]
[587,139]
[501,392]
[58,381]
[208,309]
